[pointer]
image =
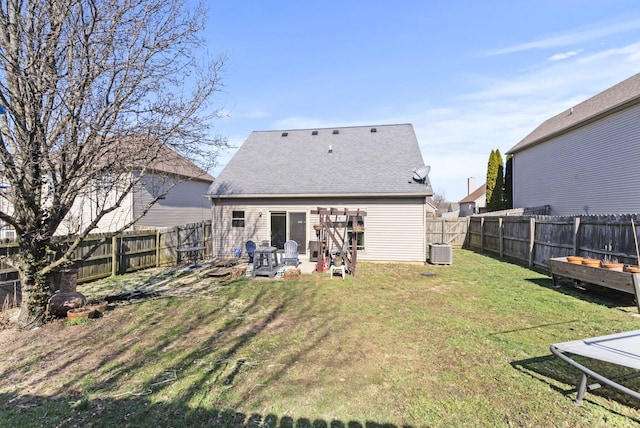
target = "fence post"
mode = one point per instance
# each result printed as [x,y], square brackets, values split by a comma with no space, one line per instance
[467,236]
[532,239]
[114,255]
[501,238]
[157,247]
[442,231]
[576,226]
[482,234]
[176,230]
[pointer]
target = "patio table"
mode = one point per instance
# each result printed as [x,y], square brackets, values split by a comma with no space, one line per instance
[265,262]
[192,254]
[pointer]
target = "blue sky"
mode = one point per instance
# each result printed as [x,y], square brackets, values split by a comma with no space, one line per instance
[471,76]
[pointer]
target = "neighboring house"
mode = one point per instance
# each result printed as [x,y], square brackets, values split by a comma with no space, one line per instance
[585,159]
[270,187]
[450,210]
[6,230]
[184,203]
[476,201]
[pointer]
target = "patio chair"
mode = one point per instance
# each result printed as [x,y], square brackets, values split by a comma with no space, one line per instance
[290,254]
[250,246]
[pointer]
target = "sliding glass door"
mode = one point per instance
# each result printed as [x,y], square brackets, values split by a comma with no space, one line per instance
[286,226]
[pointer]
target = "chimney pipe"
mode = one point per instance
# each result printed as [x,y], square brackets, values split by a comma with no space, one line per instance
[471,185]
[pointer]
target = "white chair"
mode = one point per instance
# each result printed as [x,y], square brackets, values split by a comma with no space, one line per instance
[338,269]
[290,254]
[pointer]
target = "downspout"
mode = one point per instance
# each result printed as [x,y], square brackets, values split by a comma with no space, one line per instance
[424,229]
[214,243]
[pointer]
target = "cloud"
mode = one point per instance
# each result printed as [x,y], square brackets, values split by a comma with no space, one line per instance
[565,55]
[457,137]
[576,76]
[578,35]
[457,133]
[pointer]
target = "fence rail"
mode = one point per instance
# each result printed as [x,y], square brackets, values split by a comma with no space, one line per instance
[452,231]
[535,239]
[126,252]
[530,239]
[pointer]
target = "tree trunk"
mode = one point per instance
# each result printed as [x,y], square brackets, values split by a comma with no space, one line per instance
[35,296]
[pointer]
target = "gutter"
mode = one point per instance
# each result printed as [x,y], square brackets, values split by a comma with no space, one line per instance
[316,195]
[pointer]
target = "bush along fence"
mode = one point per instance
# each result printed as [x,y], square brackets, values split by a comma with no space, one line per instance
[533,240]
[126,252]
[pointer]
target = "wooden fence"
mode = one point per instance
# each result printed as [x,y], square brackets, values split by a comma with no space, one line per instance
[535,239]
[452,231]
[126,252]
[532,240]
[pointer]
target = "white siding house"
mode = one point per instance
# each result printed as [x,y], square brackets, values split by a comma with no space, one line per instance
[268,190]
[584,160]
[184,203]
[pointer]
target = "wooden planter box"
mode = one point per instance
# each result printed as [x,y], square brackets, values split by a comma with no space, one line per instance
[621,281]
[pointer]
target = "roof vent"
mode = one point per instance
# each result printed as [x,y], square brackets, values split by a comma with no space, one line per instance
[314,132]
[335,131]
[284,134]
[330,149]
[373,130]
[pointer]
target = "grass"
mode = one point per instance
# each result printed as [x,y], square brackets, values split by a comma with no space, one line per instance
[468,346]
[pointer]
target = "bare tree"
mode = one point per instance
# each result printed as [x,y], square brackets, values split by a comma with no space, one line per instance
[440,201]
[92,90]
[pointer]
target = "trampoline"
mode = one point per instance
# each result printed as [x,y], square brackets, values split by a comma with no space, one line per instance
[622,349]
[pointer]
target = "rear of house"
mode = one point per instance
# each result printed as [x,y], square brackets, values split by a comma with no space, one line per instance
[276,179]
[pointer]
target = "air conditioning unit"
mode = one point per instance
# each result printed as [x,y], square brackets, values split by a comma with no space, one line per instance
[440,254]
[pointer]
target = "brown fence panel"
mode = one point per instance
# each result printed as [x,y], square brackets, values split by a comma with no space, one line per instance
[611,236]
[492,235]
[137,250]
[168,242]
[474,238]
[452,231]
[516,235]
[553,237]
[536,239]
[98,264]
[133,251]
[7,272]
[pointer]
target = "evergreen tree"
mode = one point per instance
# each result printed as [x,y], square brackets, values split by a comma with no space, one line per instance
[508,184]
[492,173]
[497,199]
[495,182]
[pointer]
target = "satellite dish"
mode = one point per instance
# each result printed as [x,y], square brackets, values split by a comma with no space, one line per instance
[420,174]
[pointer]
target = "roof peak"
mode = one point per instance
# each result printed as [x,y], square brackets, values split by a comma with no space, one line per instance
[331,128]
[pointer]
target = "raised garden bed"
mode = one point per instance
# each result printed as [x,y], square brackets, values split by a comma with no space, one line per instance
[621,281]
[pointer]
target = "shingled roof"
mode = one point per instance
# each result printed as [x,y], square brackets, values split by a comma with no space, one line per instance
[354,161]
[616,98]
[475,195]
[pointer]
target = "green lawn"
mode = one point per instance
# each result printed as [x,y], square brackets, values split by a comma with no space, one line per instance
[467,346]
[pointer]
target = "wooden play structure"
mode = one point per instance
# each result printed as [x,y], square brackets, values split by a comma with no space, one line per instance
[334,233]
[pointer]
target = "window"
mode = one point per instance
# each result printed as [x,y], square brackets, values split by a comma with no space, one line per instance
[237,218]
[103,184]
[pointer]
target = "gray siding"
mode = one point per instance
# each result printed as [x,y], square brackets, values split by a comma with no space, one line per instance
[184,204]
[394,228]
[593,169]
